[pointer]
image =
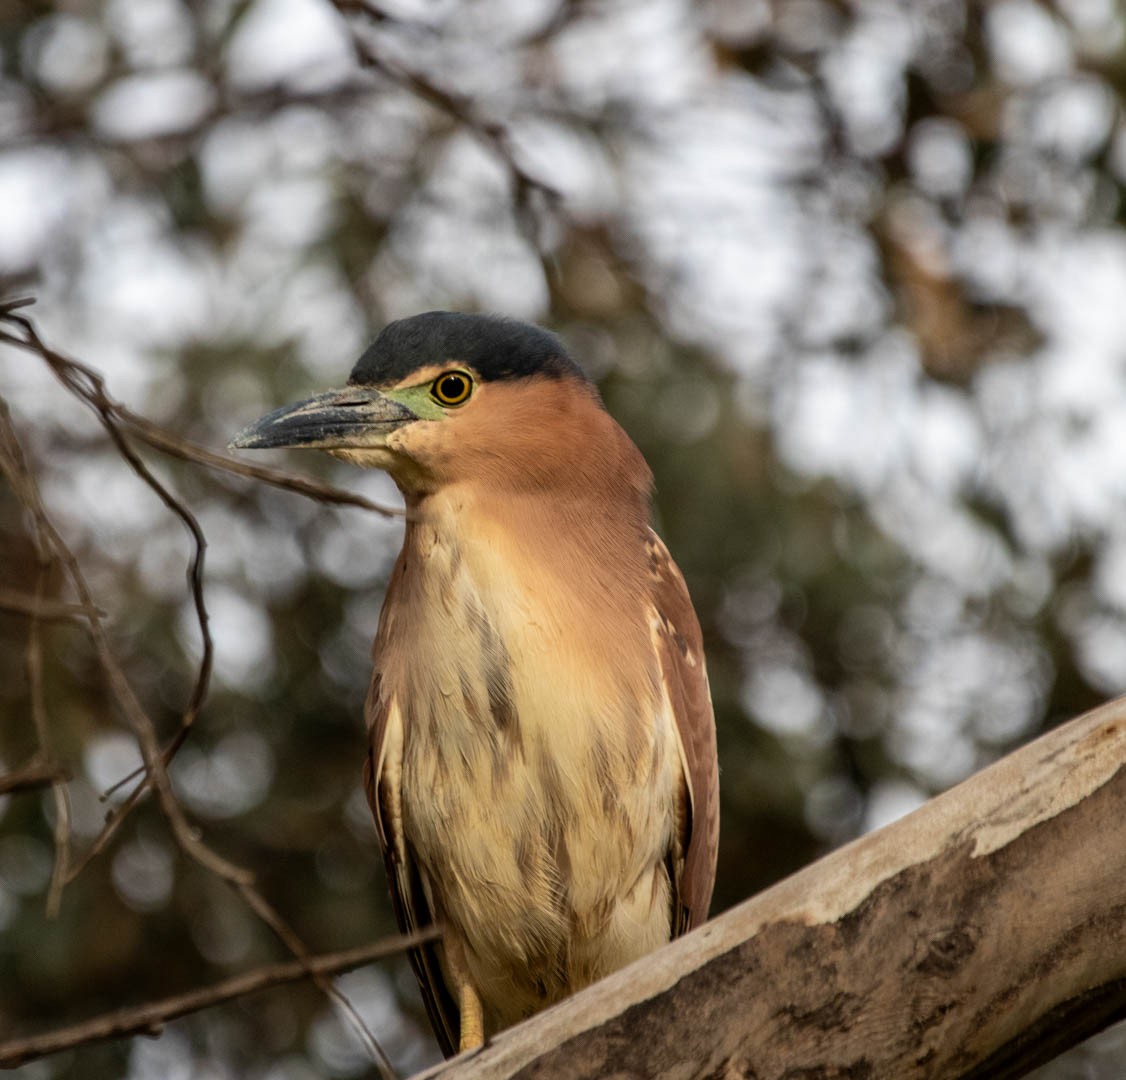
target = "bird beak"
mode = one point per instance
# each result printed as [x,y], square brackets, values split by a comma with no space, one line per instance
[356,417]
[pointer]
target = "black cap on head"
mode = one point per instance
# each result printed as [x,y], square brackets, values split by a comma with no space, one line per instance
[495,347]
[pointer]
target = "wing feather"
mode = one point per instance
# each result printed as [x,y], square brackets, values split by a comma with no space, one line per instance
[681,653]
[382,770]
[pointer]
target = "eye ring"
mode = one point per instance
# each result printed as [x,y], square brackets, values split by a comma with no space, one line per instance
[451,388]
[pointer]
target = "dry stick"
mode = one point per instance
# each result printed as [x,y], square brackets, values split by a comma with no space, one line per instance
[34,666]
[88,385]
[159,439]
[33,776]
[21,603]
[14,465]
[186,837]
[195,571]
[495,136]
[150,1018]
[97,400]
[92,391]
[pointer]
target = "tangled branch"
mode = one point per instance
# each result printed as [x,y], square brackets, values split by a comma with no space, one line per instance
[87,385]
[14,466]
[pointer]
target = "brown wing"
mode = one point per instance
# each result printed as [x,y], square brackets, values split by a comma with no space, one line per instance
[686,682]
[408,898]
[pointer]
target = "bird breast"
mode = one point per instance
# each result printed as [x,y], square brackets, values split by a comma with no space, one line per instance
[540,768]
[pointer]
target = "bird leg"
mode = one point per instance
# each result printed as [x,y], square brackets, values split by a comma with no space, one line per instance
[472,1018]
[472,1012]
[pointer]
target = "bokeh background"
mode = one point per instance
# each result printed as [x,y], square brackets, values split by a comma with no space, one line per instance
[852,274]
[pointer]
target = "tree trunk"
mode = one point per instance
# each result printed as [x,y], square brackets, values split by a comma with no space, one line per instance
[977,937]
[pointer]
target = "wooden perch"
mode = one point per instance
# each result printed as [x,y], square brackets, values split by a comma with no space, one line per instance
[978,937]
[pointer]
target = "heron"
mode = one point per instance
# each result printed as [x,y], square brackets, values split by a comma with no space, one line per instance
[541,754]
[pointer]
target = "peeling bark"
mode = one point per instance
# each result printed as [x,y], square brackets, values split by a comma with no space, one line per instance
[978,937]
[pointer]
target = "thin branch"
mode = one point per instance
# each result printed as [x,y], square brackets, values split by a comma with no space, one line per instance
[48,122]
[34,667]
[150,1018]
[160,439]
[494,135]
[14,465]
[32,777]
[88,386]
[21,603]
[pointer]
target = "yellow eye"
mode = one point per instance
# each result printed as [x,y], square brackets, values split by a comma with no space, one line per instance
[451,388]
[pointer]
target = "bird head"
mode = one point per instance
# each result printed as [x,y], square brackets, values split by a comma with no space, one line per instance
[445,397]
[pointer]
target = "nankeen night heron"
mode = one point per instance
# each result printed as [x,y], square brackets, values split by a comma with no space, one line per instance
[542,765]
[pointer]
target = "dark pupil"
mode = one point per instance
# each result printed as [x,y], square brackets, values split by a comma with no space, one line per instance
[452,386]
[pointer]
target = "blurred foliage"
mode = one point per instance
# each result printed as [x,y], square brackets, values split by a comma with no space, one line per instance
[851,275]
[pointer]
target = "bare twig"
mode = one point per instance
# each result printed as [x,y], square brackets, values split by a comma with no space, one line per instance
[21,603]
[34,667]
[48,121]
[14,466]
[32,777]
[115,818]
[88,386]
[160,439]
[149,1019]
[494,135]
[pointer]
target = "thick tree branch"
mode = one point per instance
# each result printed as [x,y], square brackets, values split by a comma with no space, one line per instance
[150,1018]
[978,937]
